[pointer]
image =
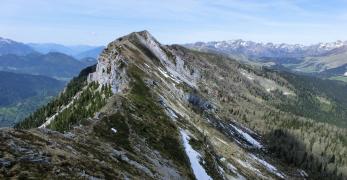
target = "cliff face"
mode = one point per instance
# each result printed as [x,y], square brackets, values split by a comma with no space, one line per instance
[109,70]
[170,117]
[118,54]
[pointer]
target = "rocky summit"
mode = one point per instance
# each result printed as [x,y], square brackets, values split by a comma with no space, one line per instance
[153,111]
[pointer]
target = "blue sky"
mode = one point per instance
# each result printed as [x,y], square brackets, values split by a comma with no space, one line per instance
[97,22]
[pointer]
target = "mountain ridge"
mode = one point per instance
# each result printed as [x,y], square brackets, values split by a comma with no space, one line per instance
[8,46]
[269,49]
[161,112]
[77,51]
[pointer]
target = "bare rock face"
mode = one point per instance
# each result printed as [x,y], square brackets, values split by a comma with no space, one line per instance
[111,67]
[110,70]
[170,59]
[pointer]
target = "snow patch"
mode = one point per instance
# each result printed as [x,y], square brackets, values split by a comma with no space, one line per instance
[269,89]
[114,130]
[164,73]
[247,75]
[168,75]
[248,137]
[268,166]
[194,158]
[247,165]
[286,93]
[172,114]
[233,169]
[303,173]
[169,111]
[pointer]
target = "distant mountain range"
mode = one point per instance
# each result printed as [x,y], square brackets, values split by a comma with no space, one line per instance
[56,65]
[27,72]
[8,46]
[79,51]
[313,59]
[259,50]
[49,59]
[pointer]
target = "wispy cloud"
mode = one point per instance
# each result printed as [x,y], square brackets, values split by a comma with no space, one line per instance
[72,21]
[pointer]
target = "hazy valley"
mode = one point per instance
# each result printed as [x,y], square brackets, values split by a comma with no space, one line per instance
[31,75]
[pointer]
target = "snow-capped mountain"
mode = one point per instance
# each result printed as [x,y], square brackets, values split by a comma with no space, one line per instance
[5,41]
[259,50]
[8,46]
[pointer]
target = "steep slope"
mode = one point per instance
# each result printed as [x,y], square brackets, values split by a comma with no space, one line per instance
[8,46]
[22,94]
[56,65]
[166,112]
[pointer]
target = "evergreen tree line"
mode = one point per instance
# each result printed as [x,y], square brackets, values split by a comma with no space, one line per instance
[39,116]
[308,90]
[319,148]
[302,129]
[90,101]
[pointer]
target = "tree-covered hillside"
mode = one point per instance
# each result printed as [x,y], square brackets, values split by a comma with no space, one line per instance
[78,101]
[319,99]
[56,65]
[21,94]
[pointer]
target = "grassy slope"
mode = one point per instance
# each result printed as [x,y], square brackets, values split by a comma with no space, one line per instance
[318,99]
[154,125]
[253,107]
[161,133]
[339,78]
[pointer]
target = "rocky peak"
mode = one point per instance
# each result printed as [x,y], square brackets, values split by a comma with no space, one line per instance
[112,63]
